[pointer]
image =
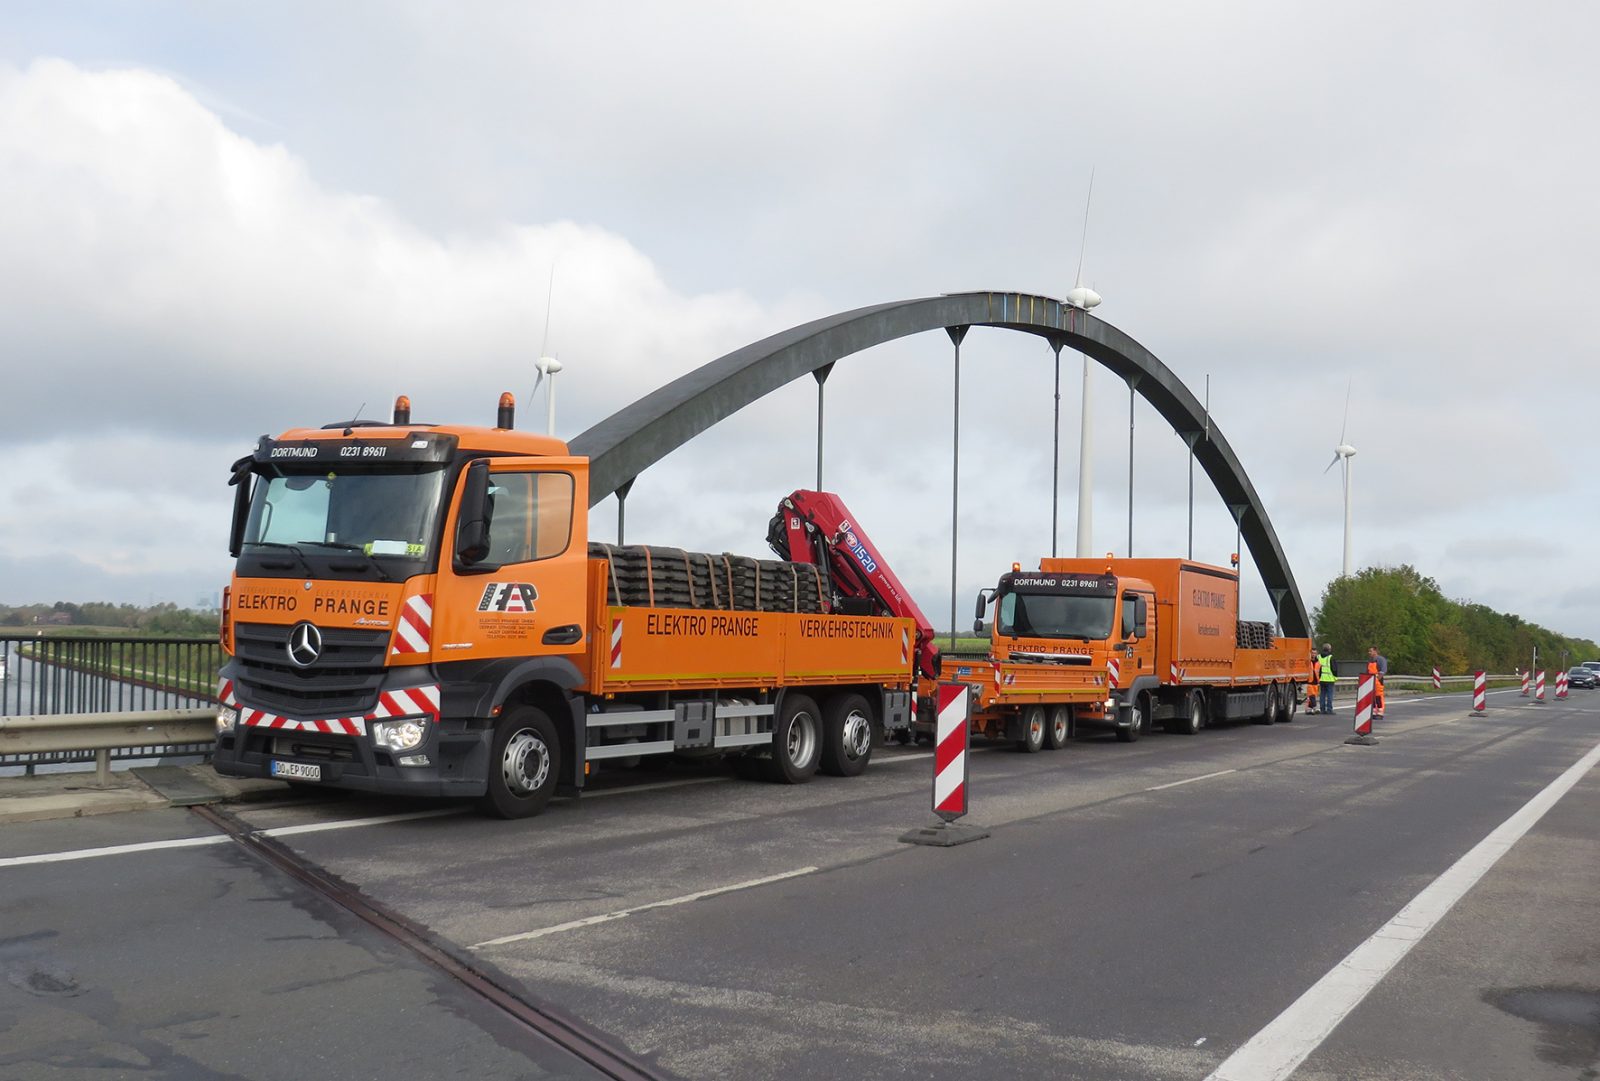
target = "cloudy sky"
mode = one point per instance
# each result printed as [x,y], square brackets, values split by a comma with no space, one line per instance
[228,219]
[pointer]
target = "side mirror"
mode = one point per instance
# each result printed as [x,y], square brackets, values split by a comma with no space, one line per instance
[1140,616]
[240,482]
[472,524]
[984,597]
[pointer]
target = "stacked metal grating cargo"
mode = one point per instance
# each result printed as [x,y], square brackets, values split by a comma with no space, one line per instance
[1254,634]
[655,577]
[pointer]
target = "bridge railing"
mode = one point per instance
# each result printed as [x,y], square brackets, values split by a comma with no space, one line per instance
[102,737]
[49,674]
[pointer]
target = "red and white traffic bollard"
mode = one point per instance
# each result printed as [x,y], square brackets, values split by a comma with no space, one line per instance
[1561,684]
[950,756]
[1438,680]
[1480,692]
[1366,691]
[1538,686]
[1527,678]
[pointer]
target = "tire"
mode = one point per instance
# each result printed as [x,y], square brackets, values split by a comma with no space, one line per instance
[524,762]
[1059,729]
[1286,714]
[1138,710]
[1269,713]
[847,725]
[1194,716]
[796,741]
[1033,726]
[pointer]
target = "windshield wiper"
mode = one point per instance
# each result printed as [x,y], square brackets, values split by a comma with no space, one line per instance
[370,559]
[301,556]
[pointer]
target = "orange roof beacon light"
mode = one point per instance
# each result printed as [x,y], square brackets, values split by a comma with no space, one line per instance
[1015,567]
[508,409]
[1234,558]
[402,410]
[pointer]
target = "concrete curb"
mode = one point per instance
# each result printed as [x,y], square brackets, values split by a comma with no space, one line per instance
[76,795]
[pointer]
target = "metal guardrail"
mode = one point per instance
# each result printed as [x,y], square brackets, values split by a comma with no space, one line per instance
[175,731]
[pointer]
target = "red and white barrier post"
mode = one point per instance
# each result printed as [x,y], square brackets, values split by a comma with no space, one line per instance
[950,755]
[1561,684]
[1438,680]
[1480,692]
[1366,692]
[1538,686]
[1527,679]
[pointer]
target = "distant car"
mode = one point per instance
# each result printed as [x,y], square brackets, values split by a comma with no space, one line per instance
[1583,676]
[1593,666]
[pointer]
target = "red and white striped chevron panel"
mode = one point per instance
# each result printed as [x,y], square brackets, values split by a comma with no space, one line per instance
[616,642]
[406,701]
[413,632]
[1113,672]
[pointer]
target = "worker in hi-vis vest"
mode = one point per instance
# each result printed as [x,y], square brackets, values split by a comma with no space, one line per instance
[1326,677]
[1378,667]
[1312,684]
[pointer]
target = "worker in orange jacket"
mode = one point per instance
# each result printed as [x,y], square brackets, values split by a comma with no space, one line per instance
[1311,687]
[1378,666]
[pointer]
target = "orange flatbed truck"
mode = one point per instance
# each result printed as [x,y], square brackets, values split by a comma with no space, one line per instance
[416,610]
[1127,643]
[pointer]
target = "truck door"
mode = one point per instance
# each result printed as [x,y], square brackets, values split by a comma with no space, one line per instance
[1138,620]
[527,594]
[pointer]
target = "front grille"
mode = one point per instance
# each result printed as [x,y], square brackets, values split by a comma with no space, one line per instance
[316,748]
[342,682]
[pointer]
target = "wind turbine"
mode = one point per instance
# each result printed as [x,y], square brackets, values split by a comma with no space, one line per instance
[1083,299]
[548,365]
[1343,453]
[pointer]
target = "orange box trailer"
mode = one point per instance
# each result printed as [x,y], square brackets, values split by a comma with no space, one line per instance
[416,609]
[1129,642]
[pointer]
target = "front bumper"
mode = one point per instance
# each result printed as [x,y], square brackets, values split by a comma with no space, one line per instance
[458,755]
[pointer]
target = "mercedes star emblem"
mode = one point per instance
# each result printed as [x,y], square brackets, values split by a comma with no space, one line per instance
[304,645]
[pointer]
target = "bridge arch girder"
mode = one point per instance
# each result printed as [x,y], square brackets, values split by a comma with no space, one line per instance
[637,436]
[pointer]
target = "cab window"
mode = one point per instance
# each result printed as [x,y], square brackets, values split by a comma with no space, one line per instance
[532,516]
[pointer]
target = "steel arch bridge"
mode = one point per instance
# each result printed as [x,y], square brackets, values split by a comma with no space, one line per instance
[623,445]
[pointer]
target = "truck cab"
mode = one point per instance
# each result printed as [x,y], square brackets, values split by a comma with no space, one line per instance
[392,581]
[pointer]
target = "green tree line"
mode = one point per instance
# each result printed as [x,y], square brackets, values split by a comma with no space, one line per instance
[158,619]
[1404,614]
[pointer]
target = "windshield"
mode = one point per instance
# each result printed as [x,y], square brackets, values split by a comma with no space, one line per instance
[378,514]
[1055,615]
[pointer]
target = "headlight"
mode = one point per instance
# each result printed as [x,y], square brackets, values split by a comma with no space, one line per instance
[404,734]
[227,717]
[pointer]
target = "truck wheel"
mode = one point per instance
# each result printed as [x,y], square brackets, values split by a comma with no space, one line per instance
[1138,709]
[1194,715]
[1059,729]
[1033,727]
[1286,704]
[1269,714]
[796,741]
[846,735]
[524,759]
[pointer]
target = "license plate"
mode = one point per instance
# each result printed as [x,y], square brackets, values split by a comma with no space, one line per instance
[300,771]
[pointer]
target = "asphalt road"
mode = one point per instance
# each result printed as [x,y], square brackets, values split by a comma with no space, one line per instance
[1138,912]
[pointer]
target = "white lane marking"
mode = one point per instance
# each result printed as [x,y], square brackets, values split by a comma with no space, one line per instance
[904,758]
[606,917]
[652,787]
[1277,1050]
[113,850]
[1192,780]
[213,839]
[353,823]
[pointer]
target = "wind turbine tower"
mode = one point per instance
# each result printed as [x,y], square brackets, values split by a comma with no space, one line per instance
[1343,453]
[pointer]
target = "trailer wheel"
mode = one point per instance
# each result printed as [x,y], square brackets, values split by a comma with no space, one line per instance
[1033,727]
[1194,715]
[846,735]
[1060,728]
[524,759]
[796,741]
[1269,714]
[1138,710]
